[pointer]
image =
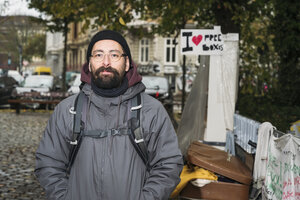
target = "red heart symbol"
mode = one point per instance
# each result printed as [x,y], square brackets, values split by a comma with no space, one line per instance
[197,39]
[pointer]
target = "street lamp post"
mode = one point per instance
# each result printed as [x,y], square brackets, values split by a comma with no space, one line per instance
[20,57]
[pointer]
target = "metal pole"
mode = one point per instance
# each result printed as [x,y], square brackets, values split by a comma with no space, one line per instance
[20,58]
[183,83]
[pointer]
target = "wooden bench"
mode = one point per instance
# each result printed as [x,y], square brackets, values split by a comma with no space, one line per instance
[18,102]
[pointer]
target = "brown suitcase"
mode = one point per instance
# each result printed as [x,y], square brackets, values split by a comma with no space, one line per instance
[219,162]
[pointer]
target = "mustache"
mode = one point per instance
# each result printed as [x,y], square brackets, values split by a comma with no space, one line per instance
[106,69]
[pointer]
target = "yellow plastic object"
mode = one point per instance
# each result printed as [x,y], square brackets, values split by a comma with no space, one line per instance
[188,175]
[295,127]
[121,20]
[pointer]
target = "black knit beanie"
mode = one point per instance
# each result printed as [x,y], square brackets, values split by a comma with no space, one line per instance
[109,35]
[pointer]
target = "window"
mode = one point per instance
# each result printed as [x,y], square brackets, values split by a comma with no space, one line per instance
[170,51]
[70,60]
[144,51]
[75,31]
[198,61]
[75,59]
[80,58]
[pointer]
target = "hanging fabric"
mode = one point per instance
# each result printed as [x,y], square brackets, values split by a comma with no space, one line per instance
[282,179]
[265,131]
[260,164]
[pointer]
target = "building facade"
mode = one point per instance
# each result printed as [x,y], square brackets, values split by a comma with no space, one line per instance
[157,55]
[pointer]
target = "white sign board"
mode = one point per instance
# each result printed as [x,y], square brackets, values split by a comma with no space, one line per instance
[201,41]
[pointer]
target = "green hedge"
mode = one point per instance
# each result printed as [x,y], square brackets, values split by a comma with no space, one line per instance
[264,109]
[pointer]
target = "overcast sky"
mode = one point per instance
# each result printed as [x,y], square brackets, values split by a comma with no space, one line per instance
[17,7]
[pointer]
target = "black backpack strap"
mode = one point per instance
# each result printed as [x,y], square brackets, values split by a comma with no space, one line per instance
[80,102]
[136,136]
[135,132]
[104,133]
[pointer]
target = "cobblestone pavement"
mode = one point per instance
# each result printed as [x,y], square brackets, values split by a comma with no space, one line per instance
[19,139]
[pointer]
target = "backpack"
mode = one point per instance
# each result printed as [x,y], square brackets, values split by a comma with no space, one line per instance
[134,130]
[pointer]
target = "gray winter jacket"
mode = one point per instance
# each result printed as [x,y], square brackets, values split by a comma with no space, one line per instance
[109,168]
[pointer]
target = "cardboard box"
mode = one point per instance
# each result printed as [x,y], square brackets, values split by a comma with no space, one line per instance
[231,168]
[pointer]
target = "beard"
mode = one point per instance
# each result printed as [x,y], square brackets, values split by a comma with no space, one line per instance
[110,81]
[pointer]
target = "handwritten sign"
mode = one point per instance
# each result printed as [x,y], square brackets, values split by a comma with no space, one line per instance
[283,169]
[201,41]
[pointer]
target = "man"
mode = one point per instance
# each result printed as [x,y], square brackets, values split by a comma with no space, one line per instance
[109,167]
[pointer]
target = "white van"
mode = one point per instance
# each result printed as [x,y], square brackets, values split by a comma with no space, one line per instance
[16,75]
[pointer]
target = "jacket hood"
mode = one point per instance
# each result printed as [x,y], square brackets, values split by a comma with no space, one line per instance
[132,75]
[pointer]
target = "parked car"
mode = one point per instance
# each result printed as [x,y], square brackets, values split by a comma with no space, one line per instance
[36,83]
[157,86]
[16,75]
[70,77]
[74,89]
[189,79]
[42,70]
[7,85]
[34,87]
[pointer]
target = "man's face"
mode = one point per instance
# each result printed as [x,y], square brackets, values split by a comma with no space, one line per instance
[108,72]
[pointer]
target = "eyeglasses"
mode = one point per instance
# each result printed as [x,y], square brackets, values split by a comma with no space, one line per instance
[113,56]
